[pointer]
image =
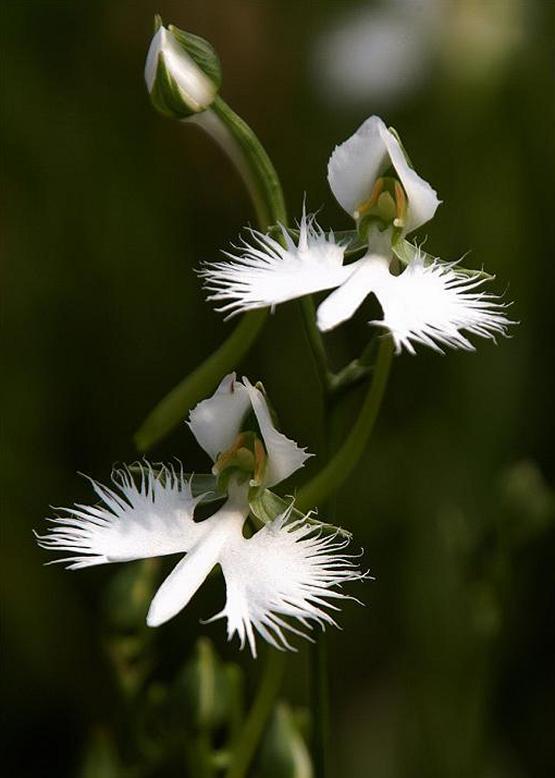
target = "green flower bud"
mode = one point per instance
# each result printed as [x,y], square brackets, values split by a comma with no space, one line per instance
[202,690]
[284,753]
[182,72]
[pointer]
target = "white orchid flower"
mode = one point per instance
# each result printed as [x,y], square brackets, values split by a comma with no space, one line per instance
[287,570]
[356,175]
[430,302]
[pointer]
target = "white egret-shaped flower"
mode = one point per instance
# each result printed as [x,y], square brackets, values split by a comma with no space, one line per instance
[287,570]
[429,302]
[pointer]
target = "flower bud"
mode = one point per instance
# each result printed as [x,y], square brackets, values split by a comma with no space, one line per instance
[284,753]
[182,72]
[203,694]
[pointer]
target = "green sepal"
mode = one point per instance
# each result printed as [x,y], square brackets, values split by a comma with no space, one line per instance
[201,52]
[267,506]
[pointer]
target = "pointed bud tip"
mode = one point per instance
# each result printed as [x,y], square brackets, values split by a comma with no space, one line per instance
[182,72]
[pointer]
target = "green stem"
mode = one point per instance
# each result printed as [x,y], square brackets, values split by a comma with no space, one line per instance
[259,175]
[247,743]
[320,705]
[251,160]
[316,343]
[330,478]
[174,406]
[319,676]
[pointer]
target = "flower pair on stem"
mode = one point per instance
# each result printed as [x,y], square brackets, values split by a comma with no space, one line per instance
[290,565]
[283,569]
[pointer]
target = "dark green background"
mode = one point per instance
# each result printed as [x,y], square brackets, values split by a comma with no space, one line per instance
[107,210]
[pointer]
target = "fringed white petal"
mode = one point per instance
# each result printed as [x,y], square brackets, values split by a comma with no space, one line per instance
[355,165]
[432,304]
[284,455]
[287,571]
[264,273]
[189,574]
[216,421]
[135,520]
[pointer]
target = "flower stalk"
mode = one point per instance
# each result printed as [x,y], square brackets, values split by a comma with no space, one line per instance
[254,166]
[330,478]
[259,714]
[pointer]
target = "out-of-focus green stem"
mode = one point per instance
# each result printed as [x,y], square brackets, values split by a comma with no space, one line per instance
[330,478]
[247,742]
[259,175]
[316,343]
[319,674]
[173,408]
[320,705]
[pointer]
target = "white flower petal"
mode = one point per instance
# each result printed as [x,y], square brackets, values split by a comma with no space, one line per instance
[431,304]
[421,198]
[216,421]
[188,575]
[134,521]
[265,273]
[287,570]
[355,164]
[284,455]
[341,304]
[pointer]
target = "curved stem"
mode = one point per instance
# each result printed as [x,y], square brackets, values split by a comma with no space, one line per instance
[338,468]
[255,168]
[174,406]
[251,160]
[258,715]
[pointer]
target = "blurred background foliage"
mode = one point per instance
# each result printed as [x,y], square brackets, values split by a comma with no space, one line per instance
[108,208]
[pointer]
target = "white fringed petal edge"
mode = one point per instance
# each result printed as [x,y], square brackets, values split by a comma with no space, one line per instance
[263,273]
[432,304]
[287,570]
[134,520]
